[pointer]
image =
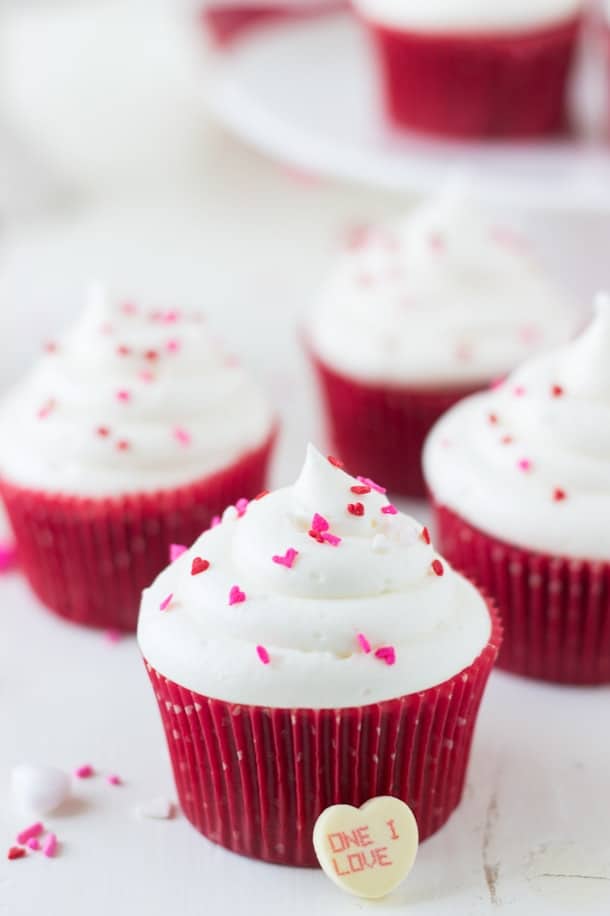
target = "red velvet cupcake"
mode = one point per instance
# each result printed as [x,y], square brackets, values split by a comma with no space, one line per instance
[416,317]
[521,482]
[488,68]
[312,651]
[131,434]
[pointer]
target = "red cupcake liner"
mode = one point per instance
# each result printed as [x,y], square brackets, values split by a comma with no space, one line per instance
[380,430]
[255,779]
[226,24]
[555,610]
[487,85]
[89,559]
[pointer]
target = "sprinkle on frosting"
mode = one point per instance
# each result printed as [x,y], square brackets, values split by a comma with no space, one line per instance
[371,483]
[524,464]
[263,655]
[425,535]
[199,565]
[559,495]
[519,391]
[557,391]
[336,462]
[389,509]
[123,395]
[103,432]
[241,505]
[236,596]
[437,567]
[287,559]
[364,643]
[386,654]
[360,490]
[319,523]
[355,508]
[182,435]
[261,495]
[166,602]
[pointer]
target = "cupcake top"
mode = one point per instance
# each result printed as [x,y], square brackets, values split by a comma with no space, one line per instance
[469,15]
[444,297]
[129,401]
[319,595]
[529,462]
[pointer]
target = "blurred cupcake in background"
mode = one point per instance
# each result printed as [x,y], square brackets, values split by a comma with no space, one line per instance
[315,650]
[415,317]
[227,20]
[129,436]
[521,483]
[476,68]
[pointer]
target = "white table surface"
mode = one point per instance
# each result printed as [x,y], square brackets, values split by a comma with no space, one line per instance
[249,241]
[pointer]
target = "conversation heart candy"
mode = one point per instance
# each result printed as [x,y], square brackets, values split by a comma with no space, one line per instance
[367,851]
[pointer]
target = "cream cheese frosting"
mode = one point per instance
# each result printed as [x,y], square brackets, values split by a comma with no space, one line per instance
[130,400]
[529,462]
[445,296]
[299,601]
[469,15]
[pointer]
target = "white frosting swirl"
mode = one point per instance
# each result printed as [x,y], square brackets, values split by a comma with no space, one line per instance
[447,296]
[378,582]
[130,401]
[530,462]
[469,15]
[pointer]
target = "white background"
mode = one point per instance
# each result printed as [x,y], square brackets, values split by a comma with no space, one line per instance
[134,187]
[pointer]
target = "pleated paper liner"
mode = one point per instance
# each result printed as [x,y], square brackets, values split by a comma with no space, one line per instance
[255,779]
[380,430]
[226,23]
[555,610]
[478,85]
[89,559]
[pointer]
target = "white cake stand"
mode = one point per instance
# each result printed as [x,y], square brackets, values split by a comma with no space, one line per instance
[306,93]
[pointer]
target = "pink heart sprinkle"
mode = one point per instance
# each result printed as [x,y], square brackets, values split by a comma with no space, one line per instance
[389,510]
[146,376]
[115,780]
[386,654]
[173,346]
[182,435]
[331,539]
[263,655]
[33,844]
[371,483]
[123,395]
[171,316]
[364,643]
[175,551]
[216,520]
[288,559]
[236,596]
[166,602]
[319,523]
[524,464]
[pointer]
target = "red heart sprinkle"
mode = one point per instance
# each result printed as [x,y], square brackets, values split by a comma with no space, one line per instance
[360,490]
[336,463]
[199,565]
[103,431]
[262,494]
[437,568]
[355,508]
[425,535]
[559,495]
[15,852]
[151,354]
[556,391]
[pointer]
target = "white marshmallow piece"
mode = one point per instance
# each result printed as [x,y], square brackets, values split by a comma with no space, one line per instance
[39,789]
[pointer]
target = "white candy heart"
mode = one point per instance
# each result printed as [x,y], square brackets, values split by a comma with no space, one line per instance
[367,851]
[159,808]
[39,790]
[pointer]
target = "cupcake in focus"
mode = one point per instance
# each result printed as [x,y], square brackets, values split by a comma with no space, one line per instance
[475,68]
[129,436]
[311,650]
[417,316]
[521,482]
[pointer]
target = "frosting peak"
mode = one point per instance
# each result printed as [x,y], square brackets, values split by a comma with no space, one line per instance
[311,574]
[585,366]
[129,400]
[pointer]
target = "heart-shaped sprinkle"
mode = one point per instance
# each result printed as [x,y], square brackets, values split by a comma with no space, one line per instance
[363,643]
[389,510]
[199,565]
[425,535]
[123,395]
[336,462]
[15,852]
[319,523]
[287,559]
[559,495]
[262,494]
[367,851]
[371,483]
[175,551]
[236,596]
[332,539]
[355,508]
[360,489]
[182,435]
[386,654]
[241,505]
[557,391]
